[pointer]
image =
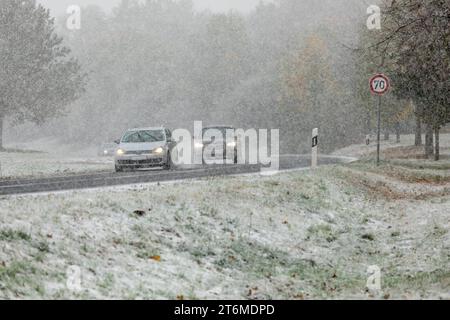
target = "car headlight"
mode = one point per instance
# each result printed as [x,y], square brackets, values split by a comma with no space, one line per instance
[231,144]
[158,150]
[198,145]
[120,152]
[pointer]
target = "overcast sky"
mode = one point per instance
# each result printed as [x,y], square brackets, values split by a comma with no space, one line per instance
[59,6]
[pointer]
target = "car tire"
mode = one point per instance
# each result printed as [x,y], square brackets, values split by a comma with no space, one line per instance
[119,169]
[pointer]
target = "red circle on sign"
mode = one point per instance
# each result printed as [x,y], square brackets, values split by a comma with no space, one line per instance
[379,84]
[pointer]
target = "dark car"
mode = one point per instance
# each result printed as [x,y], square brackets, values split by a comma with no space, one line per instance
[222,148]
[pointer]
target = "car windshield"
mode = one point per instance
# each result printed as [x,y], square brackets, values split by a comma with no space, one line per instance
[223,130]
[143,136]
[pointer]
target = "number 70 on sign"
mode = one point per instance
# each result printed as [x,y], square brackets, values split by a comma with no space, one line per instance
[379,84]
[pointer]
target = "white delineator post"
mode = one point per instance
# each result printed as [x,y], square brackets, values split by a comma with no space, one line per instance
[315,147]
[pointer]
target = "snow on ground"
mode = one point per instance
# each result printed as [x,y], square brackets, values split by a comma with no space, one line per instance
[362,150]
[297,235]
[48,158]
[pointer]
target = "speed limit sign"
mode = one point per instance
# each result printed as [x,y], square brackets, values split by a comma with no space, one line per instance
[379,84]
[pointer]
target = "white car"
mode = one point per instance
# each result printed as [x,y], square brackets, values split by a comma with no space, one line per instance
[144,148]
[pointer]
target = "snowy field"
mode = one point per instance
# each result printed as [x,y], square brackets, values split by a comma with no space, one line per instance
[362,150]
[48,158]
[298,235]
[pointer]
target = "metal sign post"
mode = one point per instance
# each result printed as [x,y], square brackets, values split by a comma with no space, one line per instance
[379,85]
[378,130]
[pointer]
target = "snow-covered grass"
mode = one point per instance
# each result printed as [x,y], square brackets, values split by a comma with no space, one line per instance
[297,235]
[363,150]
[48,158]
[36,164]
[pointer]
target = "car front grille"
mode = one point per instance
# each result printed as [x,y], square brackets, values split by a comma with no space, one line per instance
[145,162]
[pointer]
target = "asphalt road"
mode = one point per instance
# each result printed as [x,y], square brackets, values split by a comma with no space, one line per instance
[97,180]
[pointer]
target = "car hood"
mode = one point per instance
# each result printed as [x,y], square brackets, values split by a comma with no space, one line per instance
[141,146]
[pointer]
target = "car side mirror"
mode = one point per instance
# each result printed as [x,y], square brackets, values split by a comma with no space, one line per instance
[117,141]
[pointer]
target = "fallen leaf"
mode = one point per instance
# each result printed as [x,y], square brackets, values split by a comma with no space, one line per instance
[299,296]
[156,258]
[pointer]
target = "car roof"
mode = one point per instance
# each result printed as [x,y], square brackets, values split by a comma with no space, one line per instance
[220,126]
[149,128]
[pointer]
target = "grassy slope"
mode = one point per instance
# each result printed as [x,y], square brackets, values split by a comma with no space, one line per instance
[294,236]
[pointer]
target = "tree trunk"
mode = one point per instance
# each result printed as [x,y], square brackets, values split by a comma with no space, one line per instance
[397,132]
[368,123]
[418,140]
[1,132]
[437,151]
[429,141]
